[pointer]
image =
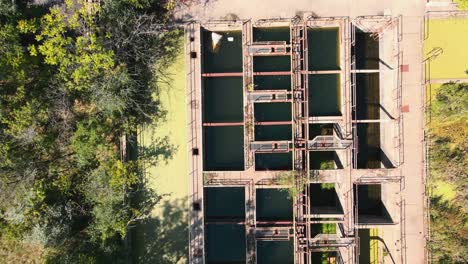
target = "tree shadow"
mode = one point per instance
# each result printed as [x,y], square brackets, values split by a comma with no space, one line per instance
[162,239]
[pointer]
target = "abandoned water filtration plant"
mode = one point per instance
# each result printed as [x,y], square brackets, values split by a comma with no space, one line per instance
[295,140]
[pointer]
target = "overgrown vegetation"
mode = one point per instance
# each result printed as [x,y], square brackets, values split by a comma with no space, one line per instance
[74,79]
[462,4]
[295,181]
[448,161]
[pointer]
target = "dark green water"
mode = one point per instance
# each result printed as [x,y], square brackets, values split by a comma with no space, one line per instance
[225,244]
[368,96]
[324,160]
[224,203]
[274,205]
[223,148]
[322,229]
[272,82]
[275,252]
[227,57]
[324,257]
[272,34]
[324,199]
[320,130]
[370,200]
[324,49]
[272,112]
[369,154]
[364,246]
[223,99]
[366,51]
[271,63]
[267,133]
[273,161]
[324,95]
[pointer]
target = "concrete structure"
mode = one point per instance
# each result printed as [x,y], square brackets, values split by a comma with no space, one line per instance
[400,177]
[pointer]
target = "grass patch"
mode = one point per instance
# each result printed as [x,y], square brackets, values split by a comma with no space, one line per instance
[171,177]
[445,190]
[451,35]
[169,218]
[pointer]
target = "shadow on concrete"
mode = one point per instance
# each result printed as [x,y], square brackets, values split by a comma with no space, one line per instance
[162,239]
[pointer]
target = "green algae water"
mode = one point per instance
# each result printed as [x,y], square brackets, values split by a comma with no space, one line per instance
[324,46]
[324,95]
[272,112]
[224,203]
[226,56]
[225,243]
[223,148]
[273,161]
[272,34]
[223,99]
[271,133]
[367,96]
[273,205]
[275,252]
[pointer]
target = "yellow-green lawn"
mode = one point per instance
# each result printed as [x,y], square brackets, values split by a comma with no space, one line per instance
[452,36]
[374,246]
[163,238]
[172,178]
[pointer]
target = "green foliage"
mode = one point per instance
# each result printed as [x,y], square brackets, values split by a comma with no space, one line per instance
[449,134]
[295,181]
[327,165]
[450,232]
[327,186]
[448,161]
[70,86]
[462,4]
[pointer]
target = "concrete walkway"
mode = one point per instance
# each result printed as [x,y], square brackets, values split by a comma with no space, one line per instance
[413,126]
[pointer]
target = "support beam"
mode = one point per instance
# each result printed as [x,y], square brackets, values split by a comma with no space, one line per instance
[224,124]
[240,74]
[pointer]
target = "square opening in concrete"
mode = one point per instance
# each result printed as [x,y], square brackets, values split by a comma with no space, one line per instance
[224,55]
[324,95]
[324,199]
[368,200]
[225,243]
[223,99]
[326,257]
[224,204]
[368,245]
[324,49]
[370,155]
[273,205]
[223,148]
[273,161]
[273,133]
[275,252]
[322,228]
[368,96]
[261,34]
[266,112]
[366,51]
[320,130]
[325,160]
[272,82]
[271,63]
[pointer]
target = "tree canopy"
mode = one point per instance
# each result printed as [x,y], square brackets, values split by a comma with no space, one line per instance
[448,161]
[77,80]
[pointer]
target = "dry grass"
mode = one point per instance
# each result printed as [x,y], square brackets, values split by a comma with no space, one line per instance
[12,252]
[451,35]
